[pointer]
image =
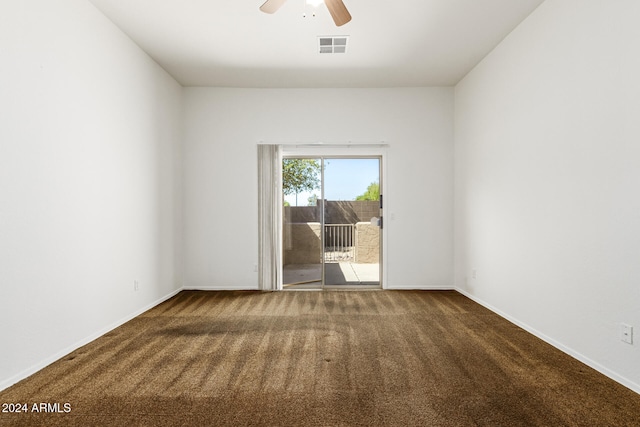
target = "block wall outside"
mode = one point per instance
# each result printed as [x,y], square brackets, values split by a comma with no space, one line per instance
[302,243]
[367,243]
[337,212]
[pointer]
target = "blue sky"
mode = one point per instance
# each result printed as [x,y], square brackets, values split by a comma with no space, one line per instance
[344,179]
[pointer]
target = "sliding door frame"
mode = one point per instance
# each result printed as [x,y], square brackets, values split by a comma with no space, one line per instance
[339,151]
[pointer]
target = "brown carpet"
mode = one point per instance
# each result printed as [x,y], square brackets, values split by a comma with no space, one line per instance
[359,358]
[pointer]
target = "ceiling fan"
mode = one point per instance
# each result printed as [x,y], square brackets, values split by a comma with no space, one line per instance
[337,9]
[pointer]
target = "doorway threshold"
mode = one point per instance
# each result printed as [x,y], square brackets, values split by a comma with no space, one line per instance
[329,288]
[338,275]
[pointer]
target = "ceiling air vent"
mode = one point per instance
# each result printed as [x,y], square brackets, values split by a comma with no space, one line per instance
[332,44]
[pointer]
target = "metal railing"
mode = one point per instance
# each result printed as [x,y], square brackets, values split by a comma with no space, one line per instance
[339,244]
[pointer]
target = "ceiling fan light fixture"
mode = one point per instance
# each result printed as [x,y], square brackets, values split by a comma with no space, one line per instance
[337,9]
[314,3]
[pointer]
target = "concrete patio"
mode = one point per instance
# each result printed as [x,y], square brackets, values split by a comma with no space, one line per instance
[336,274]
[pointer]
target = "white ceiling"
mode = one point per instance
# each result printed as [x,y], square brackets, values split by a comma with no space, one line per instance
[391,42]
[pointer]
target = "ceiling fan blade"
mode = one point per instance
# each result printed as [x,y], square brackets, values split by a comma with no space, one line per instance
[271,6]
[338,12]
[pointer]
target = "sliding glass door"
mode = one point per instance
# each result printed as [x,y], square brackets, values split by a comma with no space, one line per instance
[351,214]
[302,223]
[331,222]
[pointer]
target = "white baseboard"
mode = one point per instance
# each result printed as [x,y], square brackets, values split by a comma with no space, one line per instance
[62,353]
[419,288]
[576,355]
[220,288]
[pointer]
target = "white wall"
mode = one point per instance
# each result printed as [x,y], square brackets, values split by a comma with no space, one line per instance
[89,179]
[223,127]
[547,179]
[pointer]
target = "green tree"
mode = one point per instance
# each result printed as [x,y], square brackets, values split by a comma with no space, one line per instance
[372,193]
[300,175]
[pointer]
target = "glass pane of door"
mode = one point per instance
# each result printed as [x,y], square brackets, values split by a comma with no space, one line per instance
[351,189]
[302,223]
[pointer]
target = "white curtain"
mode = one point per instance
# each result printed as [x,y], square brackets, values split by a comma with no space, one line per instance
[269,217]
